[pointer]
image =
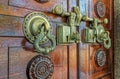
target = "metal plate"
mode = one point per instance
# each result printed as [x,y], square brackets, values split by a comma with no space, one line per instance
[100,9]
[100,58]
[40,67]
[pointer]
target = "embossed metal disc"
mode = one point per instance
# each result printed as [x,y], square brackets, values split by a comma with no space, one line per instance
[100,58]
[33,23]
[40,67]
[100,9]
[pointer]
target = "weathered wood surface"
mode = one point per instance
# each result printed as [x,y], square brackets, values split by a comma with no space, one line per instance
[16,51]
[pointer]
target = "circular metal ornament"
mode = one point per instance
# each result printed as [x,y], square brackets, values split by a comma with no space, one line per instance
[40,67]
[100,58]
[100,9]
[32,25]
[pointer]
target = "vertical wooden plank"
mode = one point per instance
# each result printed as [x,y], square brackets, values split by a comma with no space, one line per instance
[59,58]
[60,71]
[73,61]
[72,50]
[84,48]
[99,72]
[3,63]
[19,58]
[65,69]
[84,61]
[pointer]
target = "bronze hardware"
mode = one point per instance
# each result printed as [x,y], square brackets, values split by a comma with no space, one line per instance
[67,33]
[37,30]
[96,33]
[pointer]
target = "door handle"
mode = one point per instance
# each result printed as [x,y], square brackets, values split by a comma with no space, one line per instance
[38,31]
[67,33]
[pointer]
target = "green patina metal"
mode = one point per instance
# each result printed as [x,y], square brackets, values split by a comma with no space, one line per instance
[67,34]
[37,30]
[96,32]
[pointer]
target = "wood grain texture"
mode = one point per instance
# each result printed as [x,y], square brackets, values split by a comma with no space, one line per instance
[12,14]
[20,51]
[95,71]
[10,10]
[72,49]
[108,12]
[88,66]
[34,5]
[3,63]
[84,55]
[23,56]
[73,61]
[12,25]
[84,61]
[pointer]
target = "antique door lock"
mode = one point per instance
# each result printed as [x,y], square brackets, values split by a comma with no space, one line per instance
[67,33]
[37,30]
[96,32]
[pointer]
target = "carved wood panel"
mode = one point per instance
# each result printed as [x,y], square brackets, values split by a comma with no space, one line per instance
[89,69]
[107,11]
[3,63]
[16,51]
[71,62]
[95,70]
[19,58]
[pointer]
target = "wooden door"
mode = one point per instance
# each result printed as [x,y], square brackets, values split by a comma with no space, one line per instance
[89,68]
[16,51]
[70,62]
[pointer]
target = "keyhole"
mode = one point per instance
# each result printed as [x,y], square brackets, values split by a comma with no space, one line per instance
[67,38]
